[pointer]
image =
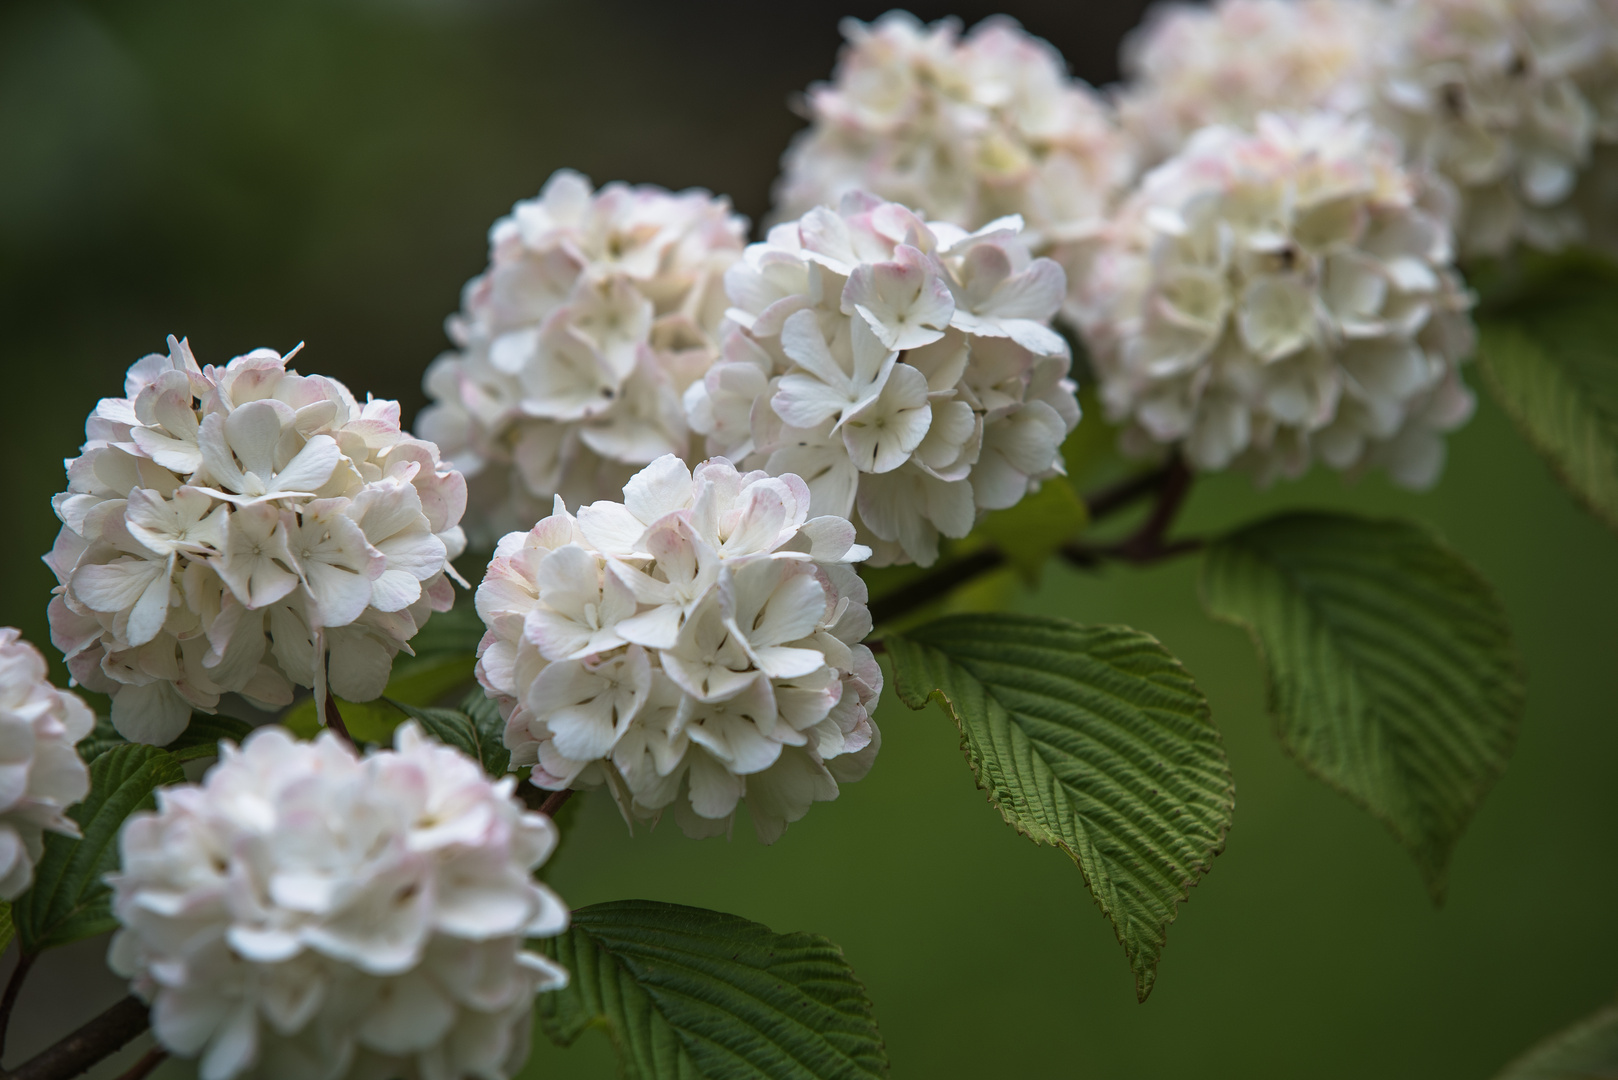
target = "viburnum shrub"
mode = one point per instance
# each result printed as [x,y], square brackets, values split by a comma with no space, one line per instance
[711,499]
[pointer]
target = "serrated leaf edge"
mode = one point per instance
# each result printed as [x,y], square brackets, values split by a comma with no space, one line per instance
[1145,980]
[1435,878]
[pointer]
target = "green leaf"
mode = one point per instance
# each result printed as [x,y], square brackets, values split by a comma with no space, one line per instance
[1391,670]
[688,994]
[445,657]
[419,681]
[1549,356]
[1586,1051]
[202,736]
[1033,530]
[8,929]
[1092,739]
[68,900]
[478,732]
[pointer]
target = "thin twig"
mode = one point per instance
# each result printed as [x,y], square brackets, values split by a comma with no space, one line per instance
[1110,500]
[555,801]
[334,721]
[13,990]
[147,1064]
[934,585]
[1169,484]
[94,1042]
[1171,493]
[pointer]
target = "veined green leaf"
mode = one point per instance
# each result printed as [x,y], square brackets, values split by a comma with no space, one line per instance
[68,900]
[1586,1051]
[1391,669]
[202,736]
[1550,358]
[1092,739]
[417,681]
[478,731]
[688,994]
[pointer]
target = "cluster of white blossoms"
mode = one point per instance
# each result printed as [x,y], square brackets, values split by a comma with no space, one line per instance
[575,346]
[1191,66]
[696,645]
[965,130]
[40,772]
[905,369]
[226,528]
[1271,297]
[1507,100]
[307,915]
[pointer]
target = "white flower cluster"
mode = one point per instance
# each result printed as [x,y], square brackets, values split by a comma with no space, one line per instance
[307,915]
[575,346]
[1193,65]
[224,528]
[1272,297]
[905,369]
[965,130]
[697,644]
[40,772]
[1507,100]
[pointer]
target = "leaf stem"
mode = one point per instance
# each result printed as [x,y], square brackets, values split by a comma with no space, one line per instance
[94,1042]
[25,961]
[146,1065]
[1147,544]
[1169,484]
[334,721]
[555,801]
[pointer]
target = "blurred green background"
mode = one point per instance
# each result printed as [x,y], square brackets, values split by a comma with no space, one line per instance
[263,172]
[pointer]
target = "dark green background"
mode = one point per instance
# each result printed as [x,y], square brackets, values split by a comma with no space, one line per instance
[269,172]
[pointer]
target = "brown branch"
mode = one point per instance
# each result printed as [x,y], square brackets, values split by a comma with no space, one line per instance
[8,1002]
[1170,484]
[555,801]
[94,1042]
[147,1064]
[935,584]
[1146,544]
[334,721]
[1125,493]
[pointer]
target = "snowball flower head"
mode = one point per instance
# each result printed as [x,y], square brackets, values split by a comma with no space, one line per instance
[905,369]
[307,915]
[574,347]
[1506,100]
[694,646]
[1273,297]
[966,130]
[1193,65]
[225,528]
[40,772]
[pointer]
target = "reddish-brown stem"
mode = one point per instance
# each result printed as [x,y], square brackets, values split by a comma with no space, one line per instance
[1109,500]
[555,801]
[1145,546]
[933,586]
[13,990]
[95,1041]
[147,1064]
[334,721]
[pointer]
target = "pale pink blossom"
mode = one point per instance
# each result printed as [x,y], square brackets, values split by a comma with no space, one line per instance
[572,350]
[875,351]
[278,939]
[694,647]
[245,529]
